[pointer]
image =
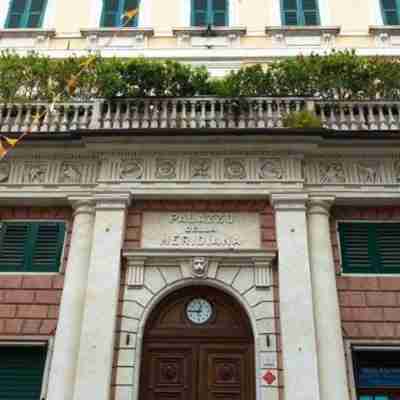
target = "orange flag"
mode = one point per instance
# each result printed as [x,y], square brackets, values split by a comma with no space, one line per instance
[72,83]
[3,151]
[129,14]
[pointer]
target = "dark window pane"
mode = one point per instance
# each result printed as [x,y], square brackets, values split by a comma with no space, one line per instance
[219,4]
[37,6]
[131,4]
[310,18]
[219,19]
[389,4]
[289,5]
[199,5]
[18,6]
[309,5]
[14,21]
[110,5]
[290,18]
[391,18]
[33,21]
[109,20]
[199,19]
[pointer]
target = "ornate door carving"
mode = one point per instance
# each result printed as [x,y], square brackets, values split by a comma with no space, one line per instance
[185,360]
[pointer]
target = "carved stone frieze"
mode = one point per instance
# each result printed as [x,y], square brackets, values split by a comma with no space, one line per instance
[270,169]
[35,173]
[235,168]
[4,171]
[200,168]
[166,168]
[131,170]
[331,172]
[369,172]
[70,173]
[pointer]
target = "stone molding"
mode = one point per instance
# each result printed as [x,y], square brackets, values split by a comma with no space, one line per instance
[82,205]
[289,201]
[112,201]
[320,205]
[138,260]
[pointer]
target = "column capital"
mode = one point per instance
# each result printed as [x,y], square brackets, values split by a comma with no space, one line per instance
[112,201]
[320,205]
[289,201]
[82,205]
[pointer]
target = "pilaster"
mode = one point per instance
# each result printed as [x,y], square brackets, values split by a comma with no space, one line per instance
[326,307]
[66,346]
[98,330]
[299,346]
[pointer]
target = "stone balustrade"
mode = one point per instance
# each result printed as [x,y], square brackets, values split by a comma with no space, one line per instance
[195,112]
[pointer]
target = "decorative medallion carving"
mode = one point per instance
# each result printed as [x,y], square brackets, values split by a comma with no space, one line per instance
[166,168]
[200,168]
[4,171]
[270,168]
[332,172]
[368,172]
[226,372]
[35,173]
[199,267]
[70,173]
[169,372]
[131,170]
[235,168]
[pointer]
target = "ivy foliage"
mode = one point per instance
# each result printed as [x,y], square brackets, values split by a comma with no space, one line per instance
[339,75]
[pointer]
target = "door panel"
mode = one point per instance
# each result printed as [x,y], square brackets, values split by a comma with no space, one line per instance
[226,372]
[169,372]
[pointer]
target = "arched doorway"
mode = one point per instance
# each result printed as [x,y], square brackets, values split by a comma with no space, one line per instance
[198,345]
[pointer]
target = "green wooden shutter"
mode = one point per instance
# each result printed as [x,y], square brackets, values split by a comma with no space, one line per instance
[31,246]
[111,13]
[390,12]
[220,12]
[16,12]
[199,13]
[310,12]
[35,13]
[388,247]
[47,248]
[370,247]
[130,5]
[13,239]
[290,12]
[357,247]
[21,372]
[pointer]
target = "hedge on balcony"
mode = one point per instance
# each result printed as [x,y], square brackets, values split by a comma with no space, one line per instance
[338,75]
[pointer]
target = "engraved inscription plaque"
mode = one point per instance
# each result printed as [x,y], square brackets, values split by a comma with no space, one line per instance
[201,230]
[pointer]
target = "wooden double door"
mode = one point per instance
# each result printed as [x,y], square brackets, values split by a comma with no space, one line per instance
[186,360]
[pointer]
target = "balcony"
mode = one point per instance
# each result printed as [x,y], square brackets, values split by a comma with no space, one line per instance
[195,113]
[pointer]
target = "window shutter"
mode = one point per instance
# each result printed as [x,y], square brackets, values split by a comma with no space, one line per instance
[110,13]
[289,12]
[13,238]
[199,13]
[388,247]
[390,12]
[21,372]
[128,6]
[47,247]
[310,12]
[36,13]
[220,12]
[16,13]
[358,247]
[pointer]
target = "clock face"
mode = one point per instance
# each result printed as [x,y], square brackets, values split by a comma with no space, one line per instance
[199,311]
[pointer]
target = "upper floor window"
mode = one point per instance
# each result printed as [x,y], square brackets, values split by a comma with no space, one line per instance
[370,247]
[31,246]
[300,12]
[390,11]
[115,13]
[26,13]
[210,12]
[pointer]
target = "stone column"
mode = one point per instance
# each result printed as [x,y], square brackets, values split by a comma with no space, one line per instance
[299,347]
[331,359]
[93,377]
[66,345]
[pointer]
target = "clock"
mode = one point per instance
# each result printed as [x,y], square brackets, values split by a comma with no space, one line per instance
[199,311]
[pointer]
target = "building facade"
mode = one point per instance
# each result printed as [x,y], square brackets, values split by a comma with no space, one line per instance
[181,252]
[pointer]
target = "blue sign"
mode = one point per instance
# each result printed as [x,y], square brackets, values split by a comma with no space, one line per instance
[372,377]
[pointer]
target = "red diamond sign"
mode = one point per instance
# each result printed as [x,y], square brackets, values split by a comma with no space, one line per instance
[269,377]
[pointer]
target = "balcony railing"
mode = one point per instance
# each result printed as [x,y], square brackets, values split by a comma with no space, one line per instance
[195,112]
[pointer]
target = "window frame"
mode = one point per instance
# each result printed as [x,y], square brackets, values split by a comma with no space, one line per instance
[383,14]
[338,240]
[47,342]
[25,15]
[300,14]
[121,8]
[62,250]
[209,14]
[353,346]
